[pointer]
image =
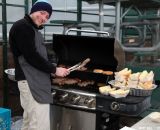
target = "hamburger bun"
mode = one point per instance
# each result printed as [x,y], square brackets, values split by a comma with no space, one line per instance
[97,70]
[107,72]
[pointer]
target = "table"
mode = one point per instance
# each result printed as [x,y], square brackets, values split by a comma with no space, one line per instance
[146,124]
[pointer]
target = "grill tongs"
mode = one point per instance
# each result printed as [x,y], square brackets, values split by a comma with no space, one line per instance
[79,65]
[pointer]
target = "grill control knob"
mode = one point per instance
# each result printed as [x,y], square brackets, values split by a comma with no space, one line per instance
[76,99]
[64,97]
[115,106]
[91,103]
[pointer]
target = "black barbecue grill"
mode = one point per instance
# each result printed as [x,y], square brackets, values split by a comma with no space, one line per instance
[70,50]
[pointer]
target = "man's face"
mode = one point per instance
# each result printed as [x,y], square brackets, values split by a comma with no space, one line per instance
[40,17]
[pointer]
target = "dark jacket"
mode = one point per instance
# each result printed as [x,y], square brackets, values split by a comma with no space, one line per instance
[31,62]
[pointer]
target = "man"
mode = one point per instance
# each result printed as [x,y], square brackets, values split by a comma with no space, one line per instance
[32,68]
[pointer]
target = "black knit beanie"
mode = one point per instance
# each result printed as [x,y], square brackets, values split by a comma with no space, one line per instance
[41,6]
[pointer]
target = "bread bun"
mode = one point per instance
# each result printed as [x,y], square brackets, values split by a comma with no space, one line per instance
[132,83]
[134,76]
[143,76]
[120,84]
[105,89]
[147,85]
[107,72]
[150,76]
[120,78]
[125,72]
[97,70]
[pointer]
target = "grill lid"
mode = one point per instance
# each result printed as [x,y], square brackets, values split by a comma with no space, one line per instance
[73,49]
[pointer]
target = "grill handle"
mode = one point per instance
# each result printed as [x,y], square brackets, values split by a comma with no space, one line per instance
[87,31]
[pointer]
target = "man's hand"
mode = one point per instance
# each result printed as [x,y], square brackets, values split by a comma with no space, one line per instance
[62,72]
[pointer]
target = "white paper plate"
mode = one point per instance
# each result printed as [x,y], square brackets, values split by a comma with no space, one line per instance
[104,93]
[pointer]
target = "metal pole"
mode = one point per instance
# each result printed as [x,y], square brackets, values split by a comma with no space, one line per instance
[26,6]
[101,15]
[5,63]
[118,20]
[79,13]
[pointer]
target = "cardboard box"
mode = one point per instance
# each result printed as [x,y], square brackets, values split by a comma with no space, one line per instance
[5,119]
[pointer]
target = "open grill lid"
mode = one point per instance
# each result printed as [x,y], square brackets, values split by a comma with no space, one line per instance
[72,49]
